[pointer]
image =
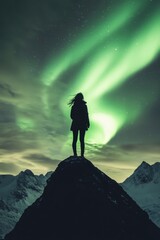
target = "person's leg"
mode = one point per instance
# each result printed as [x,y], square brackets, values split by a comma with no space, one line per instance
[82,135]
[75,135]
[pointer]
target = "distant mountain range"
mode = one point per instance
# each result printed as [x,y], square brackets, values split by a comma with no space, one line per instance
[144,187]
[81,202]
[19,192]
[16,194]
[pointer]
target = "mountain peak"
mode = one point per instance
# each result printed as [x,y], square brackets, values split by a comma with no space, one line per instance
[143,186]
[156,166]
[145,173]
[144,164]
[81,202]
[16,194]
[25,174]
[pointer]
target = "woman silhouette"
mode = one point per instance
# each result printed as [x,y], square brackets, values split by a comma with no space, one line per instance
[80,121]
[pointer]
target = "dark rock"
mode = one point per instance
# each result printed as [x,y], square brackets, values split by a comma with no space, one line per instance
[81,203]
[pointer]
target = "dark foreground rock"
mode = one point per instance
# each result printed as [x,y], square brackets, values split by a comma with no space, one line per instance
[82,203]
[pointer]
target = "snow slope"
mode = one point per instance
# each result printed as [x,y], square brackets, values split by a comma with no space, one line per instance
[16,194]
[144,187]
[81,203]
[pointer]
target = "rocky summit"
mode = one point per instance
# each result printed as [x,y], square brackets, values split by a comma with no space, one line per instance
[80,202]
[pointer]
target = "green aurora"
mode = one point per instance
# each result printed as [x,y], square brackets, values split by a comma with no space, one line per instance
[109,51]
[108,56]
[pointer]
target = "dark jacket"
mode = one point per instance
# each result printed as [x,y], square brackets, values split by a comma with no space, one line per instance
[79,116]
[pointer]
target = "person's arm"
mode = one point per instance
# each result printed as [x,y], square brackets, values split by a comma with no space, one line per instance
[87,118]
[72,113]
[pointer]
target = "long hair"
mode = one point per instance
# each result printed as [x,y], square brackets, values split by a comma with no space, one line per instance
[77,98]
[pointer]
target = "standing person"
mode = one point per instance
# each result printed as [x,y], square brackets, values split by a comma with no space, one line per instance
[80,121]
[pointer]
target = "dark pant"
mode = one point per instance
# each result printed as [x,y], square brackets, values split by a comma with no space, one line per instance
[81,138]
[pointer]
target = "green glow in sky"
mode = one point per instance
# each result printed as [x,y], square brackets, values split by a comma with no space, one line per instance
[104,127]
[25,124]
[110,57]
[86,43]
[144,47]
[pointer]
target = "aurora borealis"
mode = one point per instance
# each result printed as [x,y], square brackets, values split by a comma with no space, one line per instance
[50,50]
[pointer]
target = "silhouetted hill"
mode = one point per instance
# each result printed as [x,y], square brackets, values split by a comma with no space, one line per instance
[81,203]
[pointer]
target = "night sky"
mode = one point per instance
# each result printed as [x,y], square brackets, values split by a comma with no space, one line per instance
[108,50]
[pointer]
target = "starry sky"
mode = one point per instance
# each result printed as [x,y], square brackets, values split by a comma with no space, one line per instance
[108,50]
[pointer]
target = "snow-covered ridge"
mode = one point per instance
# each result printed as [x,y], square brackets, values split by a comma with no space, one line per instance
[16,194]
[80,202]
[145,173]
[144,187]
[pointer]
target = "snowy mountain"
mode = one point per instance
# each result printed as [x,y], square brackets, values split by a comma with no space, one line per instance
[144,187]
[81,202]
[17,193]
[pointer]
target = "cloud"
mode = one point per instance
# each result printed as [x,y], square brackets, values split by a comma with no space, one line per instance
[34,128]
[17,143]
[42,160]
[7,113]
[120,161]
[8,168]
[6,91]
